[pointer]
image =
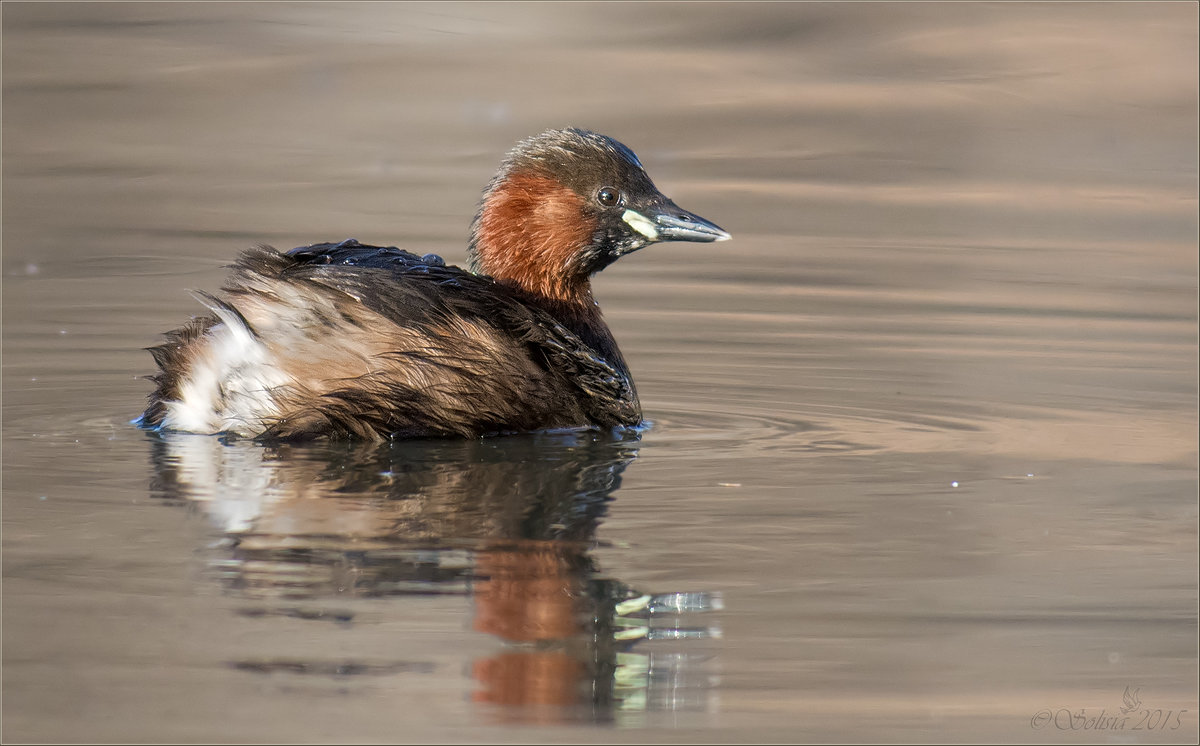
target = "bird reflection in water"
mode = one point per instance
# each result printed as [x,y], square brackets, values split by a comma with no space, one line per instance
[508,522]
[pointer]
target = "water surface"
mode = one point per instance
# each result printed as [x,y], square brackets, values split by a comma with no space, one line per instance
[922,454]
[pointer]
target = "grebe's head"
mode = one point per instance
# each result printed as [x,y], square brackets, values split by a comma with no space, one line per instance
[564,205]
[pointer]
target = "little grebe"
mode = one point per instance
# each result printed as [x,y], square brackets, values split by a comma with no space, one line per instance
[363,341]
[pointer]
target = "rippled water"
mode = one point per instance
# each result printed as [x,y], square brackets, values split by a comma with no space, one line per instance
[922,453]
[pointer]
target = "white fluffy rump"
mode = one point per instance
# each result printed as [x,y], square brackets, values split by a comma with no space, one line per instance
[229,387]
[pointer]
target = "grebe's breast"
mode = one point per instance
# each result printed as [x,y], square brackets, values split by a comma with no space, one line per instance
[367,341]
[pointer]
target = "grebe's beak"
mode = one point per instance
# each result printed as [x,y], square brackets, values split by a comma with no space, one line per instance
[666,222]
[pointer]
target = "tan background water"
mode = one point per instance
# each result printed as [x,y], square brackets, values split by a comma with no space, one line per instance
[965,254]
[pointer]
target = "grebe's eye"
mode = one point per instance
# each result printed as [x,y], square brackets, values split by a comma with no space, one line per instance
[608,196]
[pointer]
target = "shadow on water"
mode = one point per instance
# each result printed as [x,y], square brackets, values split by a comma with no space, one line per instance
[509,523]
